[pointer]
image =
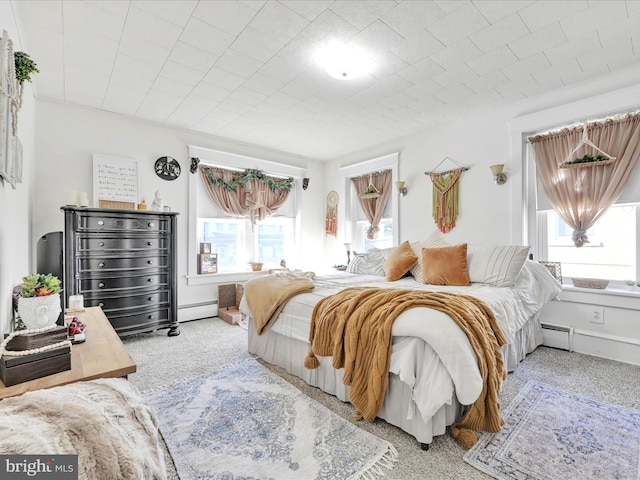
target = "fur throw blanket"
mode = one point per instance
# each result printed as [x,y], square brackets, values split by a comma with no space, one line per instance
[105,422]
[267,295]
[354,327]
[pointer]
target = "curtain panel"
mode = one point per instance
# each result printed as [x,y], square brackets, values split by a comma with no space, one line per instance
[582,194]
[373,208]
[254,199]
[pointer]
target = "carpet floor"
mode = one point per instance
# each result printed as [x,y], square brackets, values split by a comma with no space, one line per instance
[206,346]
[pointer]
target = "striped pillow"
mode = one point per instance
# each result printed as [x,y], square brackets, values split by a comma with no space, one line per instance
[434,240]
[496,265]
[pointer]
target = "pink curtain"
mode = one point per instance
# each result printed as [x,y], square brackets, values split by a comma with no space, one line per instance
[255,199]
[373,207]
[581,194]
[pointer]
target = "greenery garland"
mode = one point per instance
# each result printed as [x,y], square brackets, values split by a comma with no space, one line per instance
[587,159]
[248,176]
[24,67]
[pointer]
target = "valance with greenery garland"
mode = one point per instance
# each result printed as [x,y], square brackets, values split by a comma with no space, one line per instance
[246,177]
[249,194]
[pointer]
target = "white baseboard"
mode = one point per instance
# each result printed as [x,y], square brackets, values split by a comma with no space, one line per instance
[197,311]
[621,349]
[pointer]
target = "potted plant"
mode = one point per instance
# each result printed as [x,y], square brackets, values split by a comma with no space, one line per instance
[24,67]
[630,284]
[39,301]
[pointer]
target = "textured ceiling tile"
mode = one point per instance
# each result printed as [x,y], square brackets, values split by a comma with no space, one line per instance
[122,100]
[540,14]
[81,58]
[282,100]
[494,60]
[233,106]
[222,78]
[44,13]
[424,90]
[454,76]
[598,16]
[615,54]
[142,49]
[397,101]
[309,9]
[458,24]
[427,104]
[95,19]
[496,10]
[187,116]
[500,33]
[117,7]
[202,35]
[84,86]
[457,54]
[412,16]
[329,27]
[50,83]
[180,73]
[176,11]
[540,40]
[281,69]
[487,81]
[277,20]
[526,67]
[247,96]
[388,64]
[617,32]
[236,62]
[422,71]
[362,13]
[193,57]
[554,77]
[573,48]
[96,45]
[257,45]
[145,25]
[416,46]
[46,47]
[376,39]
[136,67]
[211,92]
[172,86]
[260,83]
[227,15]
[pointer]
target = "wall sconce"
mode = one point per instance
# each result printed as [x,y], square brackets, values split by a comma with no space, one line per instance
[402,190]
[498,177]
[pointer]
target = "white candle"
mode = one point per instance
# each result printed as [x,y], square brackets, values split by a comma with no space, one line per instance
[83,199]
[72,197]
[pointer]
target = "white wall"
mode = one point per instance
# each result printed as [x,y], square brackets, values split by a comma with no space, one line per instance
[68,136]
[16,205]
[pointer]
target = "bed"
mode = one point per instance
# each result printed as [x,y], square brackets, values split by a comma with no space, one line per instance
[433,375]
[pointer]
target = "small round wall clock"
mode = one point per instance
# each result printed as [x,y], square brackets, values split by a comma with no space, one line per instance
[167,168]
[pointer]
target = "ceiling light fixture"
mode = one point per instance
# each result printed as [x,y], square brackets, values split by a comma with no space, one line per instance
[344,62]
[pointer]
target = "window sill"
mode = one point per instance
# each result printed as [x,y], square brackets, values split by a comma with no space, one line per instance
[224,277]
[608,297]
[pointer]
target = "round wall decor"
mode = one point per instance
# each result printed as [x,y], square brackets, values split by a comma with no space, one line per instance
[167,168]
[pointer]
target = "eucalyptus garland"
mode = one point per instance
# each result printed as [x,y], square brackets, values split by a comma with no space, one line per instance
[248,176]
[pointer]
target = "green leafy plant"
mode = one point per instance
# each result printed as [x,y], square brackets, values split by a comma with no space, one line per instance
[630,283]
[587,159]
[24,66]
[248,176]
[39,285]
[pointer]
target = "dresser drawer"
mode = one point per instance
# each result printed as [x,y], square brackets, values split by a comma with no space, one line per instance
[112,303]
[121,263]
[129,323]
[129,282]
[97,245]
[109,223]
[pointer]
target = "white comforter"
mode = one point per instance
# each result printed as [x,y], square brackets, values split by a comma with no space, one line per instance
[430,353]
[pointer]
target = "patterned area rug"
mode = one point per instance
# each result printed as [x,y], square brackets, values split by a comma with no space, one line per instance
[553,434]
[247,423]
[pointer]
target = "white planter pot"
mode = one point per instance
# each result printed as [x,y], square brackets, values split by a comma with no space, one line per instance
[38,312]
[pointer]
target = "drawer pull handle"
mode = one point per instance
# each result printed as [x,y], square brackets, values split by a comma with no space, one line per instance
[101,244]
[151,224]
[149,280]
[101,264]
[101,285]
[100,222]
[151,299]
[149,243]
[150,262]
[101,304]
[150,317]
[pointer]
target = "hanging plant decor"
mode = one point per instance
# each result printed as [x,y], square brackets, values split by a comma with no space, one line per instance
[24,67]
[248,176]
[588,161]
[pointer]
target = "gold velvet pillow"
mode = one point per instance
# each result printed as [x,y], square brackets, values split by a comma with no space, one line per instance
[445,265]
[399,262]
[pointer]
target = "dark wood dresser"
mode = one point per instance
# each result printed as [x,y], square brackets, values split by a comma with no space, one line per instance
[124,261]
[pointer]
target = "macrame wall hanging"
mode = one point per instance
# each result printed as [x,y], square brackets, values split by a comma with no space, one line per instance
[331,218]
[446,195]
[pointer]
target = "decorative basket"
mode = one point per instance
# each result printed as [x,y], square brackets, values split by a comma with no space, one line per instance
[256,266]
[590,283]
[39,312]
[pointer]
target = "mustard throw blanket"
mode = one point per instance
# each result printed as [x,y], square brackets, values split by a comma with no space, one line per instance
[267,295]
[354,327]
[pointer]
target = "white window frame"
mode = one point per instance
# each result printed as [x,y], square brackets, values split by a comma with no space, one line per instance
[526,227]
[347,209]
[240,162]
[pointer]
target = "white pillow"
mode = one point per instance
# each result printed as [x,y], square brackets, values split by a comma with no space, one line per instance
[434,240]
[370,262]
[496,265]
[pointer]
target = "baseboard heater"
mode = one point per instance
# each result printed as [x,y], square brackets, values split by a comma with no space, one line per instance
[557,336]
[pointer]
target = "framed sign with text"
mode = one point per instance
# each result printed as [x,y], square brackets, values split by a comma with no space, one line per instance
[115,179]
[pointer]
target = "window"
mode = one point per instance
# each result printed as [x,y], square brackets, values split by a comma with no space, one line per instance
[235,240]
[612,251]
[383,240]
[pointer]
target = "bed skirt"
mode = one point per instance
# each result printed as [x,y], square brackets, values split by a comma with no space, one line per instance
[398,409]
